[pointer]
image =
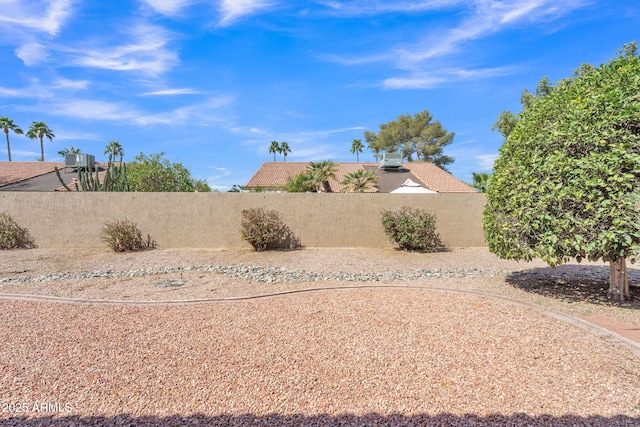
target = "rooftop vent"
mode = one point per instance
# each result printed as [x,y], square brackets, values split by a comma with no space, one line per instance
[391,161]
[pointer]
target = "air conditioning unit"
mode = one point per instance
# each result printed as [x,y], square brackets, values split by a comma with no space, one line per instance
[85,161]
[391,161]
[72,160]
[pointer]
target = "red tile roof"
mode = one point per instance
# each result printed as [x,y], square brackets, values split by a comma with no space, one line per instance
[11,172]
[437,179]
[22,172]
[273,175]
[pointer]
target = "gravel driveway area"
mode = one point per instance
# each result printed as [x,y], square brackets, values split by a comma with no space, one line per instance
[356,337]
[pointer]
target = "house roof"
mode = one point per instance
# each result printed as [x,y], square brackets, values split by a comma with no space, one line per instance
[273,175]
[35,176]
[13,172]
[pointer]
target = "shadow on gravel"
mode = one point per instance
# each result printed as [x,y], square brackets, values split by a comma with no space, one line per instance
[574,283]
[326,420]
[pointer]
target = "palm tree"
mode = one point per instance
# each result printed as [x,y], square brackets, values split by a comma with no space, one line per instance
[70,150]
[321,172]
[7,124]
[274,148]
[114,148]
[359,181]
[284,149]
[480,181]
[40,130]
[356,147]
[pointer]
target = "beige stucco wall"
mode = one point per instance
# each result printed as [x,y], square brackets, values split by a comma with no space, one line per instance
[212,220]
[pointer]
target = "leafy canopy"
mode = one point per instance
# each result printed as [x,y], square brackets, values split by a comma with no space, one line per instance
[565,184]
[156,173]
[410,135]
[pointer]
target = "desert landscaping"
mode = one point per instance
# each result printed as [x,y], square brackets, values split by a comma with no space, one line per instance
[315,336]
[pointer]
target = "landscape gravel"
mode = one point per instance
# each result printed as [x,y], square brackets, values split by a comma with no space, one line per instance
[397,355]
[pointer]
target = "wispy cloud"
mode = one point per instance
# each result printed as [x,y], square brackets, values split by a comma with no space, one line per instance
[32,53]
[198,114]
[71,84]
[172,92]
[232,10]
[375,7]
[481,18]
[147,53]
[425,80]
[39,15]
[486,161]
[168,7]
[488,17]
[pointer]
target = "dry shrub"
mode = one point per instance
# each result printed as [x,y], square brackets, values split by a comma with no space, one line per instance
[12,236]
[124,236]
[412,229]
[263,227]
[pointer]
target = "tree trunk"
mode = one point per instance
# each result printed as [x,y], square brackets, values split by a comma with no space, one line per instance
[8,145]
[618,281]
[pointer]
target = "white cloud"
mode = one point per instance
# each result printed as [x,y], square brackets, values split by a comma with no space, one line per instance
[39,15]
[32,53]
[71,84]
[147,53]
[198,114]
[168,7]
[423,80]
[480,19]
[232,10]
[486,161]
[172,92]
[374,7]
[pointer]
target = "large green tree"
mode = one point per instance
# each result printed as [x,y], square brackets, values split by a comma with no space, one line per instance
[8,125]
[156,173]
[40,130]
[410,135]
[565,184]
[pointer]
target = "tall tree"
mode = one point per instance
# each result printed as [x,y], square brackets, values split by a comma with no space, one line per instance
[114,149]
[7,125]
[284,149]
[40,130]
[370,137]
[356,147]
[360,181]
[418,135]
[565,184]
[480,181]
[274,148]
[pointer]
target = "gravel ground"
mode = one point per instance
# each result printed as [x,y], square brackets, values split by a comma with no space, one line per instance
[353,356]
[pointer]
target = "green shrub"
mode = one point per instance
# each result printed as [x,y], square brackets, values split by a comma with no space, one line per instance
[412,229]
[262,227]
[124,236]
[12,236]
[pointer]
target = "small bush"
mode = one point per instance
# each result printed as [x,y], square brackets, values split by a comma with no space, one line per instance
[124,236]
[262,227]
[12,236]
[412,229]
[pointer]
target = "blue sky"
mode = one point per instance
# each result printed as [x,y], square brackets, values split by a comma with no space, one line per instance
[212,83]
